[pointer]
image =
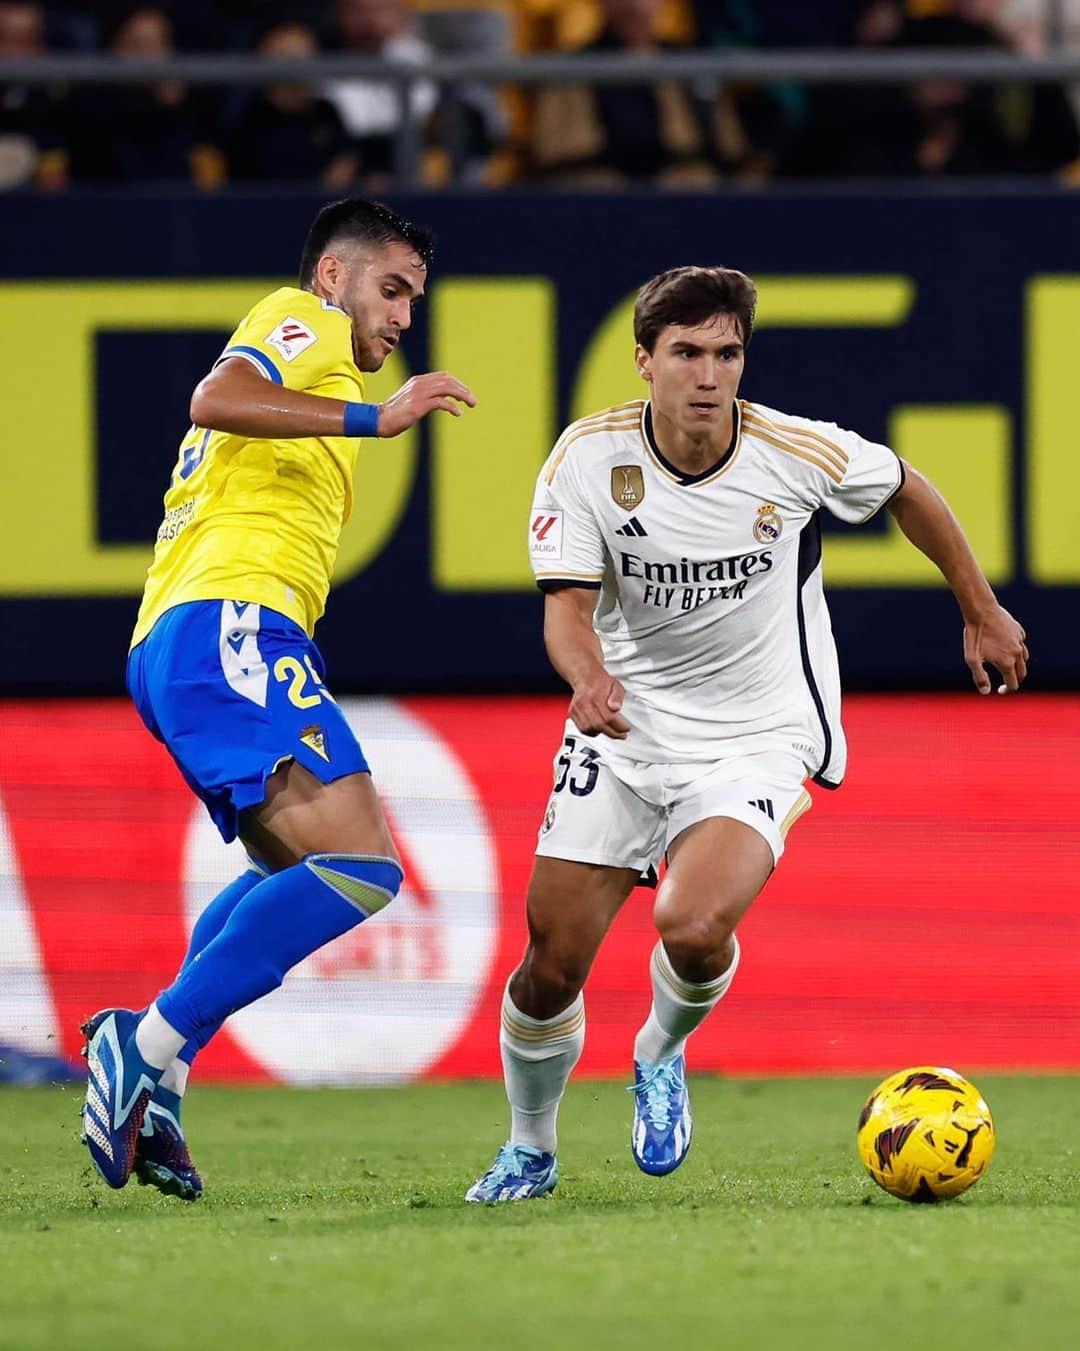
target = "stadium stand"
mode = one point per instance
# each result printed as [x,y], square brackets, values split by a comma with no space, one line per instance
[289,132]
[347,131]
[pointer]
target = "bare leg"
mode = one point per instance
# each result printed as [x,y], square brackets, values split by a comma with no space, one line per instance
[717,867]
[570,908]
[300,815]
[289,914]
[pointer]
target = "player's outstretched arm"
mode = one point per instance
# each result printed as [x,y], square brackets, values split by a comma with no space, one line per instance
[991,634]
[235,398]
[574,651]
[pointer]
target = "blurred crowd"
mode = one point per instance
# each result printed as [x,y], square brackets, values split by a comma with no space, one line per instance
[340,134]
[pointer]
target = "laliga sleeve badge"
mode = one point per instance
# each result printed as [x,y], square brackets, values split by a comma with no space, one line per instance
[546,533]
[290,338]
[769,524]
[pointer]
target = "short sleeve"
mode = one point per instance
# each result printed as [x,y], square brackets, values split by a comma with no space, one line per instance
[292,339]
[566,547]
[871,474]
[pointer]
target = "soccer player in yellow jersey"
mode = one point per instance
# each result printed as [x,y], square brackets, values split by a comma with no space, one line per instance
[224,671]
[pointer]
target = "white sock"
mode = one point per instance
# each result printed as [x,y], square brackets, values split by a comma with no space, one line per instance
[538,1055]
[157,1041]
[176,1076]
[678,1007]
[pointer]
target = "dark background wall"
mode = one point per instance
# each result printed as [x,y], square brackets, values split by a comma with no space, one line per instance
[945,324]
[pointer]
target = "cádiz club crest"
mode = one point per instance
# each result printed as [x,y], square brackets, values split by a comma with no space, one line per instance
[627,486]
[768,525]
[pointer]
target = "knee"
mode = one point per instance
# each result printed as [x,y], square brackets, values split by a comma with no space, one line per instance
[700,946]
[550,978]
[368,881]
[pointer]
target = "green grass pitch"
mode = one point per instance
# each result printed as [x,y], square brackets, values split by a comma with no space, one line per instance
[335,1219]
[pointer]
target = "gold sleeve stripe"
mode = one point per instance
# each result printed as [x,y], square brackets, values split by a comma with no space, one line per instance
[614,414]
[577,429]
[566,1027]
[803,803]
[634,405]
[569,437]
[624,412]
[569,576]
[805,437]
[778,426]
[825,465]
[807,444]
[797,437]
[805,434]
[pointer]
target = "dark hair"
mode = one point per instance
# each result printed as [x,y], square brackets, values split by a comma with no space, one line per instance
[355,219]
[689,296]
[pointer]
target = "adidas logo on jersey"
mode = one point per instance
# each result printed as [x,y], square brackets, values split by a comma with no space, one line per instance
[764,804]
[632,527]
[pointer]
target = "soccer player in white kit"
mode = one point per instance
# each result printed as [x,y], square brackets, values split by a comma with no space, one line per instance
[677,542]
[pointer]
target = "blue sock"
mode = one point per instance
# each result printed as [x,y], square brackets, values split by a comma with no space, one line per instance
[207,927]
[278,923]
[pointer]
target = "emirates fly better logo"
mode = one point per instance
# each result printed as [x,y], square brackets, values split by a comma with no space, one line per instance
[382,1002]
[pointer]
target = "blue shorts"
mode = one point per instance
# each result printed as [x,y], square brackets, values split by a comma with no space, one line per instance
[234,690]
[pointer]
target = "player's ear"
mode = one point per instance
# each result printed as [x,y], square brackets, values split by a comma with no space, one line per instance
[643,358]
[328,274]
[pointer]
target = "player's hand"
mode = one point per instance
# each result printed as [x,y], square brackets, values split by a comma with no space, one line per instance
[594,709]
[997,638]
[423,394]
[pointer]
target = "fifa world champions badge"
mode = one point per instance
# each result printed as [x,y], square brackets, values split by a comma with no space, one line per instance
[627,486]
[769,524]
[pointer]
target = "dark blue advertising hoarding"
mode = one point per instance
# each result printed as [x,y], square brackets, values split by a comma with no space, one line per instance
[945,325]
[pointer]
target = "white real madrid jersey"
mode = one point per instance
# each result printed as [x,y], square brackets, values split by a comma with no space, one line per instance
[711,610]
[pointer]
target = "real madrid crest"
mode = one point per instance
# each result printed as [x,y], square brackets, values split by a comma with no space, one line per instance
[769,524]
[627,486]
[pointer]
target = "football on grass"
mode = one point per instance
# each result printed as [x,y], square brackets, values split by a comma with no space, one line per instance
[925,1134]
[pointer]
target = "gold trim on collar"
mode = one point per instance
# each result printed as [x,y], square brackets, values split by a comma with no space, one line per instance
[701,482]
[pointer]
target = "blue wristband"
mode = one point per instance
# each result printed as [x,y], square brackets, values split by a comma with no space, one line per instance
[361,419]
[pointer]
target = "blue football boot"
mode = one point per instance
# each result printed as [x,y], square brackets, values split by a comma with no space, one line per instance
[161,1155]
[118,1092]
[518,1173]
[663,1126]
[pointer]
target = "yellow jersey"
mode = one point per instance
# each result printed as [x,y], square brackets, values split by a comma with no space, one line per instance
[254,520]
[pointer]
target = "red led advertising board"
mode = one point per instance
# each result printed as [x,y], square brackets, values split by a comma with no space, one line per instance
[925,912]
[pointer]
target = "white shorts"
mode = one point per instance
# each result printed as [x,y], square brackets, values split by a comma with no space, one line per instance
[625,813]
